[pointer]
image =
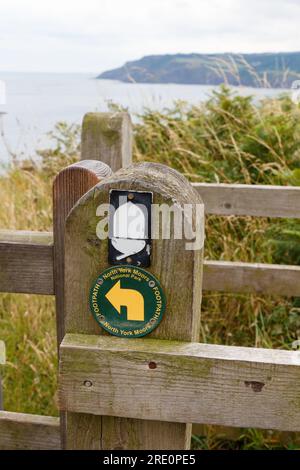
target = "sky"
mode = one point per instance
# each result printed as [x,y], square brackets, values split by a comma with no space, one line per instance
[91,36]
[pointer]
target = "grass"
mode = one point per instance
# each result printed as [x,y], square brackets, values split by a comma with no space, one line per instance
[226,139]
[27,322]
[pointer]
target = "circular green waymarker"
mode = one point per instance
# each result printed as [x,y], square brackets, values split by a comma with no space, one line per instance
[127,301]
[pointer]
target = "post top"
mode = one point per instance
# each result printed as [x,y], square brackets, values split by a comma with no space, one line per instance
[148,176]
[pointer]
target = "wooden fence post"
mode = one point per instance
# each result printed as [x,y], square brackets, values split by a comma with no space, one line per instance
[180,274]
[107,137]
[106,140]
[69,185]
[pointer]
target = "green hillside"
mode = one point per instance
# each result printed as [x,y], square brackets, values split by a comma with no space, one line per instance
[277,70]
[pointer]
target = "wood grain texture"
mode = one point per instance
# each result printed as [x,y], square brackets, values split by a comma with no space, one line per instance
[26,237]
[20,431]
[83,432]
[259,278]
[255,200]
[223,276]
[69,185]
[224,385]
[171,264]
[107,137]
[26,260]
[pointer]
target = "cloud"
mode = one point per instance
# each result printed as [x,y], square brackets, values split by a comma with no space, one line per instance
[91,36]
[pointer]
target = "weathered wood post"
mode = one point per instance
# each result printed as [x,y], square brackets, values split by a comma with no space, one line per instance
[69,185]
[178,270]
[107,137]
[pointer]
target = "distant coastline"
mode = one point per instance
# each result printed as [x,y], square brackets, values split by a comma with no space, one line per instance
[267,70]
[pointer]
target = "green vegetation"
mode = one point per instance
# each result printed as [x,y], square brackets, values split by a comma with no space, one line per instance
[226,139]
[277,70]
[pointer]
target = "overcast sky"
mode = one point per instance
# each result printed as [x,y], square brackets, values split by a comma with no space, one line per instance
[95,35]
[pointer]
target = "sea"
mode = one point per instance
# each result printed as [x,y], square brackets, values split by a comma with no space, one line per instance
[35,102]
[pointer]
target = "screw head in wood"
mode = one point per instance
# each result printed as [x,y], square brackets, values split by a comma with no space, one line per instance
[88,383]
[152,365]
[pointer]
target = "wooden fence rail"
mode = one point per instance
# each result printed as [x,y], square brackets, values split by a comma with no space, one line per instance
[191,382]
[23,254]
[21,431]
[251,200]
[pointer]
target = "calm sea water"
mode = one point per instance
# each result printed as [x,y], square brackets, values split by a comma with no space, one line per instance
[35,102]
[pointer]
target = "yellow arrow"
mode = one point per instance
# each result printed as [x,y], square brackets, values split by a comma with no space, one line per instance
[132,299]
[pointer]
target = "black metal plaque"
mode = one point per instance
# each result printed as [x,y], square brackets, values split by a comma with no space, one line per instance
[130,228]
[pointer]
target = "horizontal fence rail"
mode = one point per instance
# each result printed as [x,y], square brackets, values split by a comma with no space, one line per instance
[36,432]
[259,278]
[26,260]
[160,381]
[192,382]
[200,383]
[19,431]
[253,200]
